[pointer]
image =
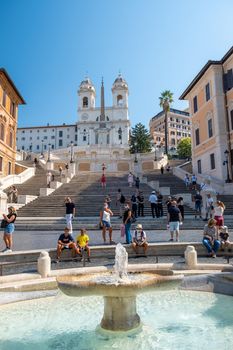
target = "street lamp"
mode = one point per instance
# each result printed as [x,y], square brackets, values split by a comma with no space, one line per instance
[226,162]
[71,152]
[42,148]
[135,151]
[49,152]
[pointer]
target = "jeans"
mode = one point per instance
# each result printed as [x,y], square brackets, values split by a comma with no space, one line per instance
[69,218]
[127,233]
[160,209]
[140,209]
[215,247]
[154,209]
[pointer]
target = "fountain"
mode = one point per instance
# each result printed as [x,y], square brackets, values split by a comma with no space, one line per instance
[119,289]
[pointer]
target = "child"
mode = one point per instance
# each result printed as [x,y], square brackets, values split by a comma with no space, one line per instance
[224,236]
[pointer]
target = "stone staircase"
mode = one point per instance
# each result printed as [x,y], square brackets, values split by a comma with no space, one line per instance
[88,195]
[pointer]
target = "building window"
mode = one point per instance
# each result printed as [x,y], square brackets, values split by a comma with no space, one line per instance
[37,147]
[231,119]
[76,138]
[9,168]
[30,138]
[22,138]
[68,136]
[38,137]
[11,139]
[1,163]
[119,100]
[45,130]
[212,161]
[84,138]
[53,137]
[60,143]
[4,99]
[60,133]
[52,146]
[85,102]
[228,80]
[45,137]
[210,128]
[2,132]
[197,136]
[22,148]
[199,166]
[195,107]
[12,109]
[45,146]
[30,131]
[207,92]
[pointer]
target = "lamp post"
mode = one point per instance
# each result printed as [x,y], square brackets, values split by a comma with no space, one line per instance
[42,148]
[49,152]
[135,148]
[71,152]
[226,162]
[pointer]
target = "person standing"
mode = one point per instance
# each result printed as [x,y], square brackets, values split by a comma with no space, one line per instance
[108,200]
[130,179]
[180,205]
[198,204]
[160,204]
[210,238]
[209,207]
[162,169]
[140,199]
[218,214]
[153,203]
[105,219]
[137,183]
[127,218]
[194,182]
[187,181]
[103,181]
[14,194]
[9,229]
[48,178]
[134,207]
[67,169]
[70,213]
[173,219]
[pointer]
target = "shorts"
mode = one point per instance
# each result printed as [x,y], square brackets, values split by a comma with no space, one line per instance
[106,223]
[9,229]
[219,220]
[63,248]
[174,225]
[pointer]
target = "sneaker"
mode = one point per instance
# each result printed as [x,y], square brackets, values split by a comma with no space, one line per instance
[9,250]
[82,259]
[57,261]
[213,255]
[4,250]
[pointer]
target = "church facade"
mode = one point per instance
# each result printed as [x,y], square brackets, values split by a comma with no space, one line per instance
[97,127]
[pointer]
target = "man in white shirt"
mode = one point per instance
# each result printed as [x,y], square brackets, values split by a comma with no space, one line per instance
[154,204]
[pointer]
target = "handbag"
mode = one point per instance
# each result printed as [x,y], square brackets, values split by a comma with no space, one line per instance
[4,223]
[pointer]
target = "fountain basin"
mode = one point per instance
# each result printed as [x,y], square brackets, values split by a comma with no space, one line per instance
[120,309]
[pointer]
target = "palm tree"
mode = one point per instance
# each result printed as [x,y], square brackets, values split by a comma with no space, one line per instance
[166,99]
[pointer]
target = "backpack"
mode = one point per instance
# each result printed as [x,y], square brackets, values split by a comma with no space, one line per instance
[122,199]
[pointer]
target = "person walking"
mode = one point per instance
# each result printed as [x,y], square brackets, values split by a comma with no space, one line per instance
[105,219]
[153,203]
[140,200]
[187,181]
[9,228]
[130,179]
[160,204]
[209,207]
[174,219]
[70,213]
[210,238]
[127,219]
[194,182]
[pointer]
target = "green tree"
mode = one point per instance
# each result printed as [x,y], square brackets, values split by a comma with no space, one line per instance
[140,139]
[184,148]
[165,100]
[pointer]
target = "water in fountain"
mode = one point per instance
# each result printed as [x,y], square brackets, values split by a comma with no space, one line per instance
[121,263]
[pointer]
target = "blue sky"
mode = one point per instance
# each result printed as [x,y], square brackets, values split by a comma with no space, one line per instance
[47,46]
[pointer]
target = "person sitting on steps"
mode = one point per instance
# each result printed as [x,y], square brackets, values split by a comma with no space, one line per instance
[139,239]
[82,241]
[66,241]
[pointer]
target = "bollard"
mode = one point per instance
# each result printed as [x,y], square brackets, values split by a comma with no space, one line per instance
[190,255]
[44,264]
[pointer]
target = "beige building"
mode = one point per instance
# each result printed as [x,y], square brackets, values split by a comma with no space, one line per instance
[179,126]
[210,97]
[10,98]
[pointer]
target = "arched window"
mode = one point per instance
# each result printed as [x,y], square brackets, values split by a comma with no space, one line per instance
[85,102]
[119,100]
[173,141]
